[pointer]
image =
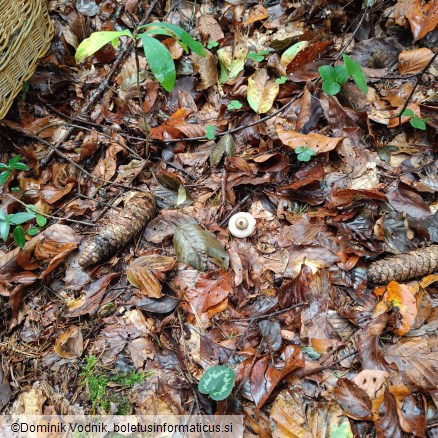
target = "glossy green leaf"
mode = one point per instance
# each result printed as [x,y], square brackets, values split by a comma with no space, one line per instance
[210,132]
[21,218]
[193,245]
[234,104]
[408,113]
[19,236]
[355,70]
[184,36]
[340,74]
[41,220]
[4,176]
[33,231]
[89,46]
[19,166]
[4,229]
[327,73]
[254,56]
[304,153]
[418,123]
[331,87]
[4,166]
[14,160]
[160,61]
[217,382]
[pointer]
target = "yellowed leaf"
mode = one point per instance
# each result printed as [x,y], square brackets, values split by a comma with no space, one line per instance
[317,142]
[262,91]
[401,296]
[413,61]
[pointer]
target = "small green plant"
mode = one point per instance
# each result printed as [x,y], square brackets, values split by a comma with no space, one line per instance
[97,384]
[304,153]
[234,104]
[212,44]
[415,121]
[281,80]
[14,164]
[157,55]
[210,132]
[217,382]
[334,77]
[7,220]
[257,56]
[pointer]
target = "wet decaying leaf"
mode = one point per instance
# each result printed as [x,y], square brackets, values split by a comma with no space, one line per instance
[128,223]
[353,399]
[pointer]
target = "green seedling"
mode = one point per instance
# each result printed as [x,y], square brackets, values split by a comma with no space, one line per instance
[210,132]
[415,121]
[334,77]
[257,56]
[234,105]
[212,44]
[8,220]
[217,382]
[157,55]
[304,153]
[14,164]
[281,80]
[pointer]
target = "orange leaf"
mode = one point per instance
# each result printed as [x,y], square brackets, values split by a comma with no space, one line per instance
[257,13]
[402,297]
[413,61]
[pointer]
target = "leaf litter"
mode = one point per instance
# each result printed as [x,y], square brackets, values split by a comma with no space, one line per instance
[320,120]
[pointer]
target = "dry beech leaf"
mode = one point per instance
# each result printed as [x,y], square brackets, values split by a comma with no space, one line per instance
[257,13]
[209,28]
[141,273]
[317,142]
[70,345]
[413,61]
[262,91]
[206,67]
[422,16]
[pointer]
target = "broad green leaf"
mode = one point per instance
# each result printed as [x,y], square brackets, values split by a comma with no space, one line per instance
[408,113]
[4,229]
[354,69]
[20,166]
[41,220]
[3,216]
[160,61]
[14,160]
[217,382]
[418,123]
[193,245]
[4,176]
[19,236]
[210,132]
[224,145]
[184,36]
[4,166]
[33,231]
[340,74]
[331,87]
[21,218]
[327,73]
[96,41]
[289,54]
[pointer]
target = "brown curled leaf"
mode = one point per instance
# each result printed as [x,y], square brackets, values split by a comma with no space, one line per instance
[139,210]
[413,264]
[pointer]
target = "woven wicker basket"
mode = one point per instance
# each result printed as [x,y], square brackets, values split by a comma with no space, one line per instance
[25,34]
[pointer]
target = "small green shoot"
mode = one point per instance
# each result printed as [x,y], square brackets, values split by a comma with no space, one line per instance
[6,220]
[415,121]
[212,44]
[334,77]
[24,90]
[210,132]
[257,56]
[156,53]
[14,164]
[304,153]
[234,105]
[281,80]
[217,382]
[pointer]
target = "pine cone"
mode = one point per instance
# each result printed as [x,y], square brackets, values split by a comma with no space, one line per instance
[413,264]
[124,227]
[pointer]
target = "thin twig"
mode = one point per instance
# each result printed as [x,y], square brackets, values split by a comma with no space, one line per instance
[88,224]
[419,76]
